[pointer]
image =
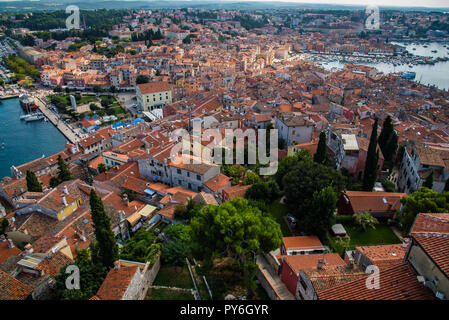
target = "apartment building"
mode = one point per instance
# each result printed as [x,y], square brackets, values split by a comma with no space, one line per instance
[153,95]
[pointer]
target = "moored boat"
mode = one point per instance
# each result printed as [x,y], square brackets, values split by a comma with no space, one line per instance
[35,117]
[27,102]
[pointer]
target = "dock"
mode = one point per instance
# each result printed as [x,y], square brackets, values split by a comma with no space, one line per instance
[64,128]
[11,96]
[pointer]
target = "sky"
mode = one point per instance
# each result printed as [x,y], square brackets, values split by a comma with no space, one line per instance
[386,3]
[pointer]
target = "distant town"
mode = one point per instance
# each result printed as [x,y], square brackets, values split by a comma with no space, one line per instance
[149,199]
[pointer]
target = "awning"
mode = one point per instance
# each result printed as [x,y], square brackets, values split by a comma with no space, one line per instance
[149,191]
[147,211]
[134,218]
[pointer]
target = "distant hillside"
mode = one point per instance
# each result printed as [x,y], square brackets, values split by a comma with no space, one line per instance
[169,4]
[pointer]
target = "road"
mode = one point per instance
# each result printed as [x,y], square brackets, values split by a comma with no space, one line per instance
[72,134]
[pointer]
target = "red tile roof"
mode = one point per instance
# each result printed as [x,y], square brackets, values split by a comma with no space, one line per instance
[384,256]
[6,252]
[431,232]
[153,87]
[302,242]
[396,283]
[373,201]
[116,283]
[12,289]
[310,261]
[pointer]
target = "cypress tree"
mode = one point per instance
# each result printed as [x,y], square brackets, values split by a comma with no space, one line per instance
[428,183]
[388,140]
[63,173]
[33,184]
[105,247]
[322,155]
[372,158]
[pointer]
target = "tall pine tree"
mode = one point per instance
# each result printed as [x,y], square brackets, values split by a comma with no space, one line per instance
[372,158]
[322,155]
[105,249]
[388,140]
[63,173]
[33,184]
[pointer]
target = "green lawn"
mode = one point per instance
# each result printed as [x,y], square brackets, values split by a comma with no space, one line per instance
[168,294]
[278,211]
[83,100]
[381,235]
[172,276]
[224,278]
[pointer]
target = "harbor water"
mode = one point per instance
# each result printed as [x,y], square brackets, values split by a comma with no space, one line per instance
[436,74]
[22,141]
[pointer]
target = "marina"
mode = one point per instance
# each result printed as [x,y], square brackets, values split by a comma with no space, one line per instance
[22,141]
[436,74]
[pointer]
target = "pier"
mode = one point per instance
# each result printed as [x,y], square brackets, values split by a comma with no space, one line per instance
[73,135]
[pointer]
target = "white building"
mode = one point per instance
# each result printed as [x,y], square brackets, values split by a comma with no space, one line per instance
[153,95]
[295,129]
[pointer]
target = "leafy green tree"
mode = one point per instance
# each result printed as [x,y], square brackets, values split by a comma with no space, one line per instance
[181,212]
[33,184]
[428,183]
[3,225]
[389,186]
[287,164]
[322,155]
[141,78]
[106,249]
[102,168]
[63,170]
[237,230]
[252,178]
[131,194]
[177,244]
[265,191]
[141,247]
[91,278]
[187,40]
[372,159]
[365,220]
[388,140]
[97,89]
[422,200]
[54,182]
[306,178]
[319,218]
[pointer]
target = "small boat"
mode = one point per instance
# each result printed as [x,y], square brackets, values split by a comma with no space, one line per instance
[26,116]
[410,75]
[34,118]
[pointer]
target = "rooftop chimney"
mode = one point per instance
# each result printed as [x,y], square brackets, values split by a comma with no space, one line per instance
[125,199]
[405,243]
[66,191]
[116,265]
[64,200]
[10,244]
[83,236]
[320,264]
[29,248]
